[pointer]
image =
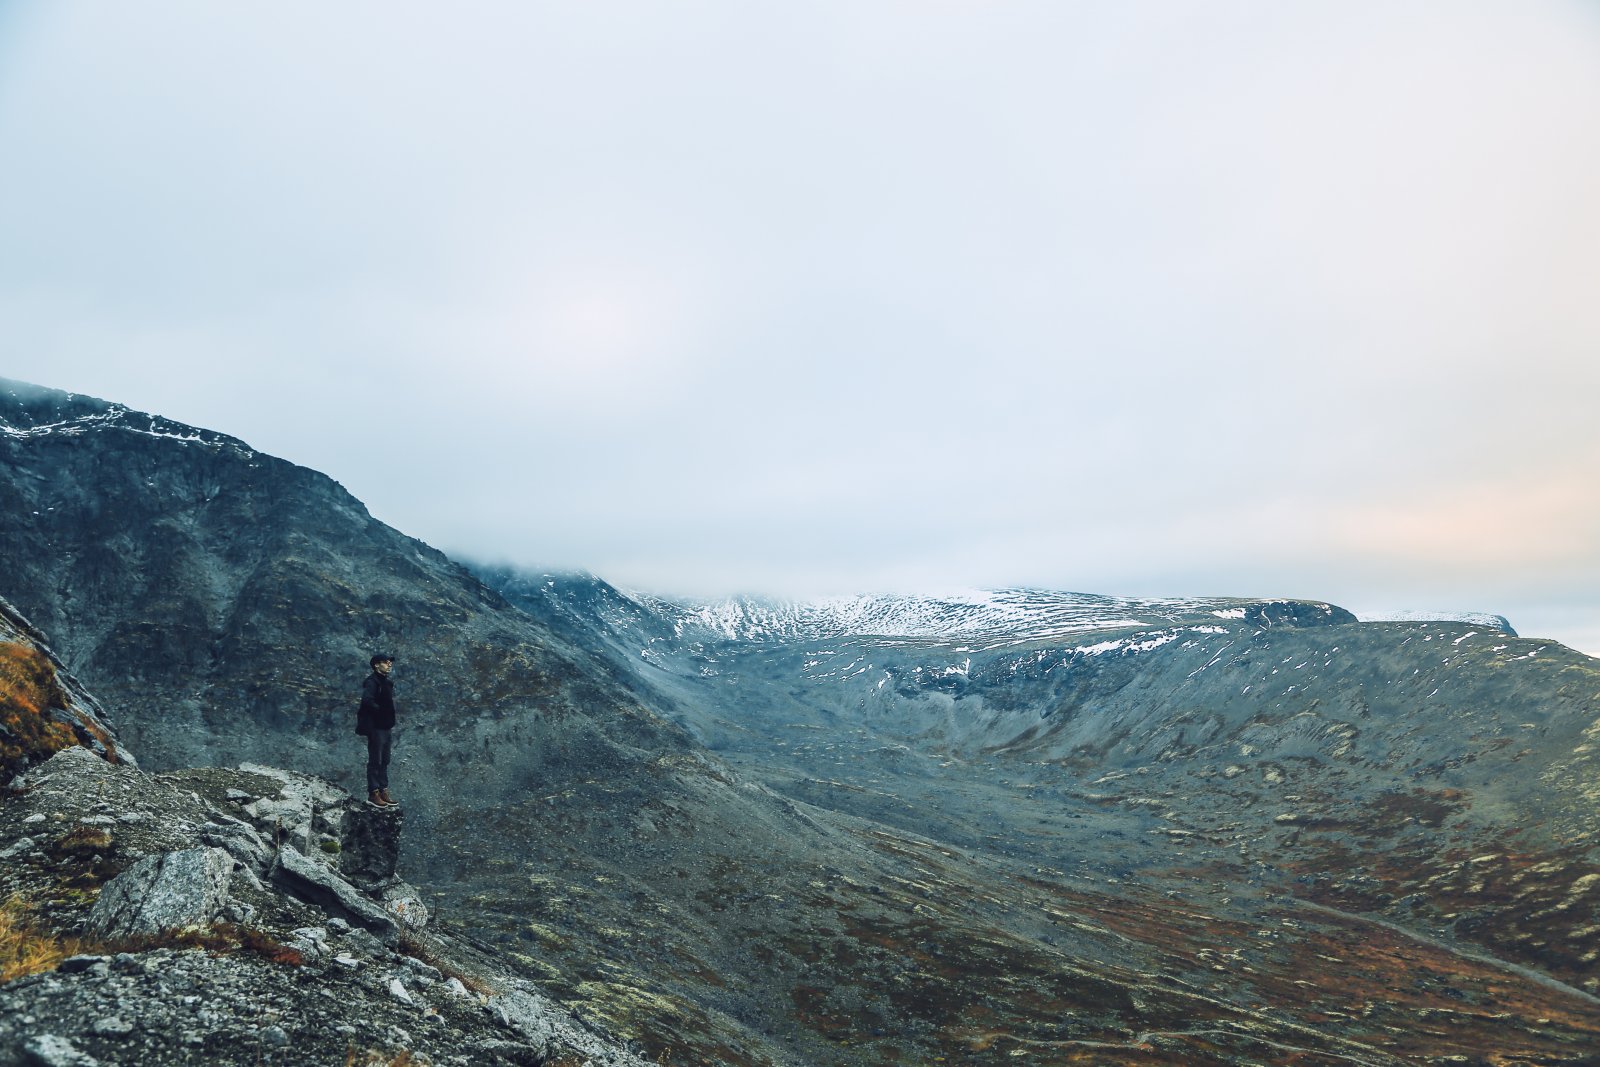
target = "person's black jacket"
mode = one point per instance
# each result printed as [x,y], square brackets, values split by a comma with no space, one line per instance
[377,702]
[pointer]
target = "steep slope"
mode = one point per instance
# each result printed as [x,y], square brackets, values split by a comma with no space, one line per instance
[210,590]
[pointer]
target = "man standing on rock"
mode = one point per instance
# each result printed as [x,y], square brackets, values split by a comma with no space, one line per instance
[376,721]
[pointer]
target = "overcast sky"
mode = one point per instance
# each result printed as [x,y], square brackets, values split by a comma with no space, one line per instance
[716,296]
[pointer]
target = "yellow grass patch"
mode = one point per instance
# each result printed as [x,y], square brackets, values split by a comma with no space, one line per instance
[28,688]
[24,948]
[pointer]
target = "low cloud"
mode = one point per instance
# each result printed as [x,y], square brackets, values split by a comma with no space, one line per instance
[1131,299]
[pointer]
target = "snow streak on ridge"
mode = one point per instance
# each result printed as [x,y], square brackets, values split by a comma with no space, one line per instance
[986,618]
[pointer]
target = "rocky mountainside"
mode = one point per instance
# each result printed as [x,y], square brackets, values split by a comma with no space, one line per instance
[249,916]
[225,602]
[925,834]
[1439,775]
[256,916]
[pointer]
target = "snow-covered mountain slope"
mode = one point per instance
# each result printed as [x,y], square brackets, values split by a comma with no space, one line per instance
[1471,618]
[983,619]
[32,412]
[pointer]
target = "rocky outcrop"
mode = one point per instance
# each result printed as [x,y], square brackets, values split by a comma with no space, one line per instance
[43,708]
[1269,613]
[189,957]
[138,929]
[369,843]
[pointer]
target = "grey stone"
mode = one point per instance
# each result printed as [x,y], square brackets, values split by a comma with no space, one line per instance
[18,847]
[404,903]
[36,817]
[397,990]
[166,892]
[283,818]
[239,912]
[365,942]
[423,970]
[314,882]
[74,762]
[113,1026]
[241,841]
[275,1036]
[76,964]
[50,1050]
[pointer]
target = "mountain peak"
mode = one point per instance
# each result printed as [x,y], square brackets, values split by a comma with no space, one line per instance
[32,411]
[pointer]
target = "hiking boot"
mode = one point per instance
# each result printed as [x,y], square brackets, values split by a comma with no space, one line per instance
[387,799]
[375,798]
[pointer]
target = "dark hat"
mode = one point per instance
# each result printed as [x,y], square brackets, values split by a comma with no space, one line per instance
[380,657]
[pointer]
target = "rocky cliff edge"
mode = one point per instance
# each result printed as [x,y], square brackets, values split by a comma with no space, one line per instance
[237,916]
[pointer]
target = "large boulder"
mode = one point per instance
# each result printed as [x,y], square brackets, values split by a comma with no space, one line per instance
[369,851]
[171,891]
[316,883]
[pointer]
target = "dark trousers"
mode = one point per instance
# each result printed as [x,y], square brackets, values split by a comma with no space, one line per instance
[377,759]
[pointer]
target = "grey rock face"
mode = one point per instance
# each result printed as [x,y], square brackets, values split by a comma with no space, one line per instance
[528,1014]
[370,844]
[242,842]
[167,892]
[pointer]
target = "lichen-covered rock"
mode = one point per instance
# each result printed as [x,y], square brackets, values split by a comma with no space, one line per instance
[404,903]
[522,1010]
[239,840]
[166,892]
[70,763]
